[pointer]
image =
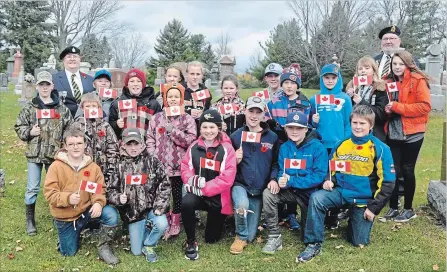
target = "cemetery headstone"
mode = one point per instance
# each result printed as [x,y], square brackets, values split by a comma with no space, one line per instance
[10,63]
[227,63]
[3,82]
[160,76]
[85,67]
[28,87]
[214,76]
[18,86]
[18,62]
[118,78]
[433,69]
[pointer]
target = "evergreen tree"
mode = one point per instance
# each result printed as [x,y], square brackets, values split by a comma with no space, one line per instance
[172,44]
[201,50]
[26,27]
[94,51]
[208,57]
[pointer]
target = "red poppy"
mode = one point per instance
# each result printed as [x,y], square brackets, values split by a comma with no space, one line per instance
[101,133]
[359,147]
[264,149]
[161,130]
[337,102]
[87,173]
[57,115]
[83,75]
[209,155]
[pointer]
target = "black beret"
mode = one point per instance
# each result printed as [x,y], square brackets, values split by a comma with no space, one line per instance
[391,29]
[68,50]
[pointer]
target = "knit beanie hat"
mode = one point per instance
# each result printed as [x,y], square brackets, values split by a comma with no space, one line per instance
[211,116]
[290,76]
[168,87]
[135,73]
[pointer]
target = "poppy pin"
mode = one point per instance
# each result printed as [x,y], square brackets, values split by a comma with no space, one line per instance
[359,147]
[264,149]
[101,133]
[337,102]
[57,115]
[161,130]
[87,173]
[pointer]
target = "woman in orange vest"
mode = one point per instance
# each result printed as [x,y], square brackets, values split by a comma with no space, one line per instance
[408,112]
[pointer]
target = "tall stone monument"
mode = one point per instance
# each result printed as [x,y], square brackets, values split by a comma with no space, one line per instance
[160,76]
[227,63]
[433,68]
[18,87]
[18,63]
[10,63]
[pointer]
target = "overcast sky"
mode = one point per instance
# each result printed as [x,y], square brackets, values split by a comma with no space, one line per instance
[247,22]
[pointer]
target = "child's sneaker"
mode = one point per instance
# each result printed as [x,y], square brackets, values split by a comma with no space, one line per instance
[391,214]
[293,223]
[238,246]
[274,243]
[150,254]
[309,253]
[405,216]
[191,250]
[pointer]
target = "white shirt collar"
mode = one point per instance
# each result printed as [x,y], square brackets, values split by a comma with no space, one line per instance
[68,73]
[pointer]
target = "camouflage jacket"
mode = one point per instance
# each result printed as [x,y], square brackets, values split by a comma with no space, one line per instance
[154,195]
[101,144]
[42,148]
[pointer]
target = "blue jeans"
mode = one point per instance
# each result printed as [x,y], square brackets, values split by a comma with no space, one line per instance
[140,235]
[359,228]
[33,184]
[246,226]
[69,231]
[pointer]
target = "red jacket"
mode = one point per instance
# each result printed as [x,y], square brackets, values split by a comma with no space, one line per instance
[217,182]
[414,103]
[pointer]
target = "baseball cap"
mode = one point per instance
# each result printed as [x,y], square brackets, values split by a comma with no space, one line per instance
[330,69]
[274,68]
[44,76]
[296,119]
[132,134]
[255,102]
[103,73]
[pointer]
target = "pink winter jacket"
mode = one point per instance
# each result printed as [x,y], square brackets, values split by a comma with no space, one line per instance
[170,147]
[217,182]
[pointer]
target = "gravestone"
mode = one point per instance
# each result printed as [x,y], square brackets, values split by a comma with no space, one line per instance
[118,78]
[214,76]
[18,86]
[160,76]
[208,83]
[2,183]
[3,82]
[48,69]
[28,90]
[227,63]
[10,63]
[433,69]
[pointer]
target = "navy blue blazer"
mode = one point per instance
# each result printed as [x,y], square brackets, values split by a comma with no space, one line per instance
[60,81]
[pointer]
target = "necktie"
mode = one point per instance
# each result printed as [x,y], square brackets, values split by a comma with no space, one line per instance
[76,91]
[386,67]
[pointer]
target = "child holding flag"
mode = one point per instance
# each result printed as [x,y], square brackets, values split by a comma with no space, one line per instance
[100,140]
[302,167]
[40,123]
[74,189]
[368,89]
[257,169]
[361,177]
[141,190]
[230,106]
[169,135]
[208,171]
[135,106]
[173,74]
[102,81]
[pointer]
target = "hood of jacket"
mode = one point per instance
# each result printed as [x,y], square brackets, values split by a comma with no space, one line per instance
[62,156]
[38,103]
[265,127]
[338,88]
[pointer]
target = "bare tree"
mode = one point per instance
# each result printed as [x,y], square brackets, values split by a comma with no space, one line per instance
[131,51]
[75,19]
[223,44]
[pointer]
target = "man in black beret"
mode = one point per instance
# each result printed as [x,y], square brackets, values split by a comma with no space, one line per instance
[71,83]
[390,43]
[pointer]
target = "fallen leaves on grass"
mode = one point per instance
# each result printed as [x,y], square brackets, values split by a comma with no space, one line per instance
[19,249]
[340,246]
[86,254]
[12,182]
[396,227]
[11,256]
[259,240]
[333,236]
[382,219]
[268,259]
[18,241]
[435,267]
[362,246]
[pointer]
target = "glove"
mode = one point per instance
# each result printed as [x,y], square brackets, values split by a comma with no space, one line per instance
[169,128]
[193,190]
[197,181]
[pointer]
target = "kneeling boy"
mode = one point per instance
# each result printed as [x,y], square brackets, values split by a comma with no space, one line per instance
[74,188]
[362,177]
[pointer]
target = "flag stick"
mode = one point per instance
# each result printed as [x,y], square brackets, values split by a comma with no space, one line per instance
[200,169]
[284,169]
[330,173]
[79,191]
[241,139]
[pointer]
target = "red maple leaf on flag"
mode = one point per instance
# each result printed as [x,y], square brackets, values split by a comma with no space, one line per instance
[127,104]
[108,92]
[136,179]
[250,136]
[91,186]
[340,165]
[324,98]
[175,110]
[295,163]
[210,164]
[45,113]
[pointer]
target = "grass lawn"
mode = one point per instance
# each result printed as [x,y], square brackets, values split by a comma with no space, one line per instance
[417,246]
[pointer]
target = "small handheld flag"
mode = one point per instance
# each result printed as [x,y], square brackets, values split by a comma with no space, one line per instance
[325,99]
[127,104]
[343,166]
[93,113]
[45,113]
[108,93]
[362,80]
[264,94]
[201,95]
[174,110]
[209,164]
[393,87]
[91,187]
[252,137]
[295,164]
[136,179]
[228,108]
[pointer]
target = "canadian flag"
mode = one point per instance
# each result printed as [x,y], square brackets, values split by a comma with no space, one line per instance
[174,110]
[127,104]
[108,93]
[93,113]
[393,87]
[200,95]
[343,166]
[295,164]
[363,80]
[252,137]
[91,187]
[136,179]
[45,113]
[325,99]
[228,108]
[264,94]
[210,164]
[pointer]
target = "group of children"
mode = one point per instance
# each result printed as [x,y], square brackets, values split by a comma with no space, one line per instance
[220,157]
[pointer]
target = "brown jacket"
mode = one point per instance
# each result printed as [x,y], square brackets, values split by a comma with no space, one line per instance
[62,180]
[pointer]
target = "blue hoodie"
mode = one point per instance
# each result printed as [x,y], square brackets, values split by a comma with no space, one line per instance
[334,122]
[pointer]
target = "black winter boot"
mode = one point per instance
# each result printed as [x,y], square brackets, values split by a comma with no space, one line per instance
[30,223]
[104,250]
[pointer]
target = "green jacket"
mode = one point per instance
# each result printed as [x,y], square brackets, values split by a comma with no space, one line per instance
[42,148]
